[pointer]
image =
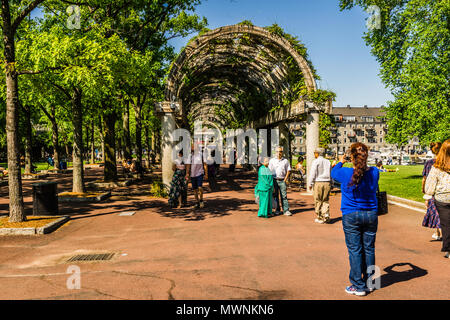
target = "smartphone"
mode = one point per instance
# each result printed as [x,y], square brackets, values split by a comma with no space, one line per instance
[347,157]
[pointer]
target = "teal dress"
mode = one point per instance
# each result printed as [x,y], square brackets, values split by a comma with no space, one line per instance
[263,191]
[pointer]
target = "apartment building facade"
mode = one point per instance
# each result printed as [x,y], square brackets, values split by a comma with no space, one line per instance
[353,124]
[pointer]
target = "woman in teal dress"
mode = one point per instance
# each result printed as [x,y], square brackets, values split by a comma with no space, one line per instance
[264,190]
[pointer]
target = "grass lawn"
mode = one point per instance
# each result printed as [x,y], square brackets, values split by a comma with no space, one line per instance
[405,183]
[40,165]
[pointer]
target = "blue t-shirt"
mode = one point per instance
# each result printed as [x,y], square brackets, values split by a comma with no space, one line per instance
[361,198]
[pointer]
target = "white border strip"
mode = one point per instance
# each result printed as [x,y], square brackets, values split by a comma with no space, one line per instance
[406,206]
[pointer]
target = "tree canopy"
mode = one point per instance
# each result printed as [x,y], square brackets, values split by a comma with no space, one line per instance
[412,45]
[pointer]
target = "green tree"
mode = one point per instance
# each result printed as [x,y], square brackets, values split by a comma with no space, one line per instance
[412,45]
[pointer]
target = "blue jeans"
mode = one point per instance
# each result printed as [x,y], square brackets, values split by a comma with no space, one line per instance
[360,230]
[281,195]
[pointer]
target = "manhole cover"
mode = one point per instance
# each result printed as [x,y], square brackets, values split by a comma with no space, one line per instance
[92,257]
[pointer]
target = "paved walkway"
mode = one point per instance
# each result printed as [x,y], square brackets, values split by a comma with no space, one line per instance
[220,252]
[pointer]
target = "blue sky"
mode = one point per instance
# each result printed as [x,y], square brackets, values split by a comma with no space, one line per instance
[333,38]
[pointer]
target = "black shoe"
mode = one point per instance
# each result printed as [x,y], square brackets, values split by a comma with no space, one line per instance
[197,205]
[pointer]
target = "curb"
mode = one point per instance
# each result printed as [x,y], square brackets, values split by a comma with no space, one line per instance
[52,226]
[406,202]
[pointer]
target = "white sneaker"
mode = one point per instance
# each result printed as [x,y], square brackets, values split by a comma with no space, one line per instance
[318,220]
[436,237]
[288,213]
[447,255]
[321,221]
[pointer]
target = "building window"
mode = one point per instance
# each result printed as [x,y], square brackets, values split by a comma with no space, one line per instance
[367,119]
[349,119]
[345,140]
[381,139]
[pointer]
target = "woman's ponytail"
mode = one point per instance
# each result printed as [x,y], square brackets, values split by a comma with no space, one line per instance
[359,153]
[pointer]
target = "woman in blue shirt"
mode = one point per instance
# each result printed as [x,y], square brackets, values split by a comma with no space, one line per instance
[359,214]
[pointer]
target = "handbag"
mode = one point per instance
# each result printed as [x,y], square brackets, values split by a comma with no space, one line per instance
[382,201]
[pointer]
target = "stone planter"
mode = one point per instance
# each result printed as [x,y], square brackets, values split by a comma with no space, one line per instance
[110,185]
[50,227]
[67,198]
[33,176]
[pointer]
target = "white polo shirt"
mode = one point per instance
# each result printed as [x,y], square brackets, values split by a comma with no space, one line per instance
[279,167]
[196,161]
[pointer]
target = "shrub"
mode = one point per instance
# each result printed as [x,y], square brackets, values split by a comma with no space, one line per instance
[158,190]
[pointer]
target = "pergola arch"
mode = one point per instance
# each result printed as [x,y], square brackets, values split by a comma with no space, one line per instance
[246,70]
[199,43]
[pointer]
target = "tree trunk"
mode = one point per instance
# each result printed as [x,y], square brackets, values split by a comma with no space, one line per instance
[87,139]
[55,141]
[147,143]
[110,167]
[77,121]
[28,139]
[16,208]
[137,113]
[126,132]
[92,142]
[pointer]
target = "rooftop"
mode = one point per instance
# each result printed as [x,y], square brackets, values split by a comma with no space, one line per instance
[358,111]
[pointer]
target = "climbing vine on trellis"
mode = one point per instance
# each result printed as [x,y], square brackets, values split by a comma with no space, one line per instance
[276,82]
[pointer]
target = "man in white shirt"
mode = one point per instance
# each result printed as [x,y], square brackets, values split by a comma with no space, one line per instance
[197,169]
[281,169]
[320,177]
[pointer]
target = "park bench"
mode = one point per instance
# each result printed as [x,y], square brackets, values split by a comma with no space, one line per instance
[297,179]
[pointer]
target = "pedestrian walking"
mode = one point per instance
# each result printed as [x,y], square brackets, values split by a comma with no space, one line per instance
[264,189]
[359,207]
[431,218]
[320,180]
[212,170]
[438,185]
[196,168]
[178,187]
[281,170]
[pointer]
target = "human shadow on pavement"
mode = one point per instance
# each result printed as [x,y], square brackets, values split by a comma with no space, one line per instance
[335,220]
[302,209]
[392,276]
[214,208]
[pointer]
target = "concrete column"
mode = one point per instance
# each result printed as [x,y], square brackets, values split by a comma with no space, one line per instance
[312,141]
[168,127]
[284,139]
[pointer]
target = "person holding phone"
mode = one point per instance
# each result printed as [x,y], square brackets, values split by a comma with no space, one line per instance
[359,214]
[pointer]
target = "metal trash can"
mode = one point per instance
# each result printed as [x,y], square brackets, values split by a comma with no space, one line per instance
[45,199]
